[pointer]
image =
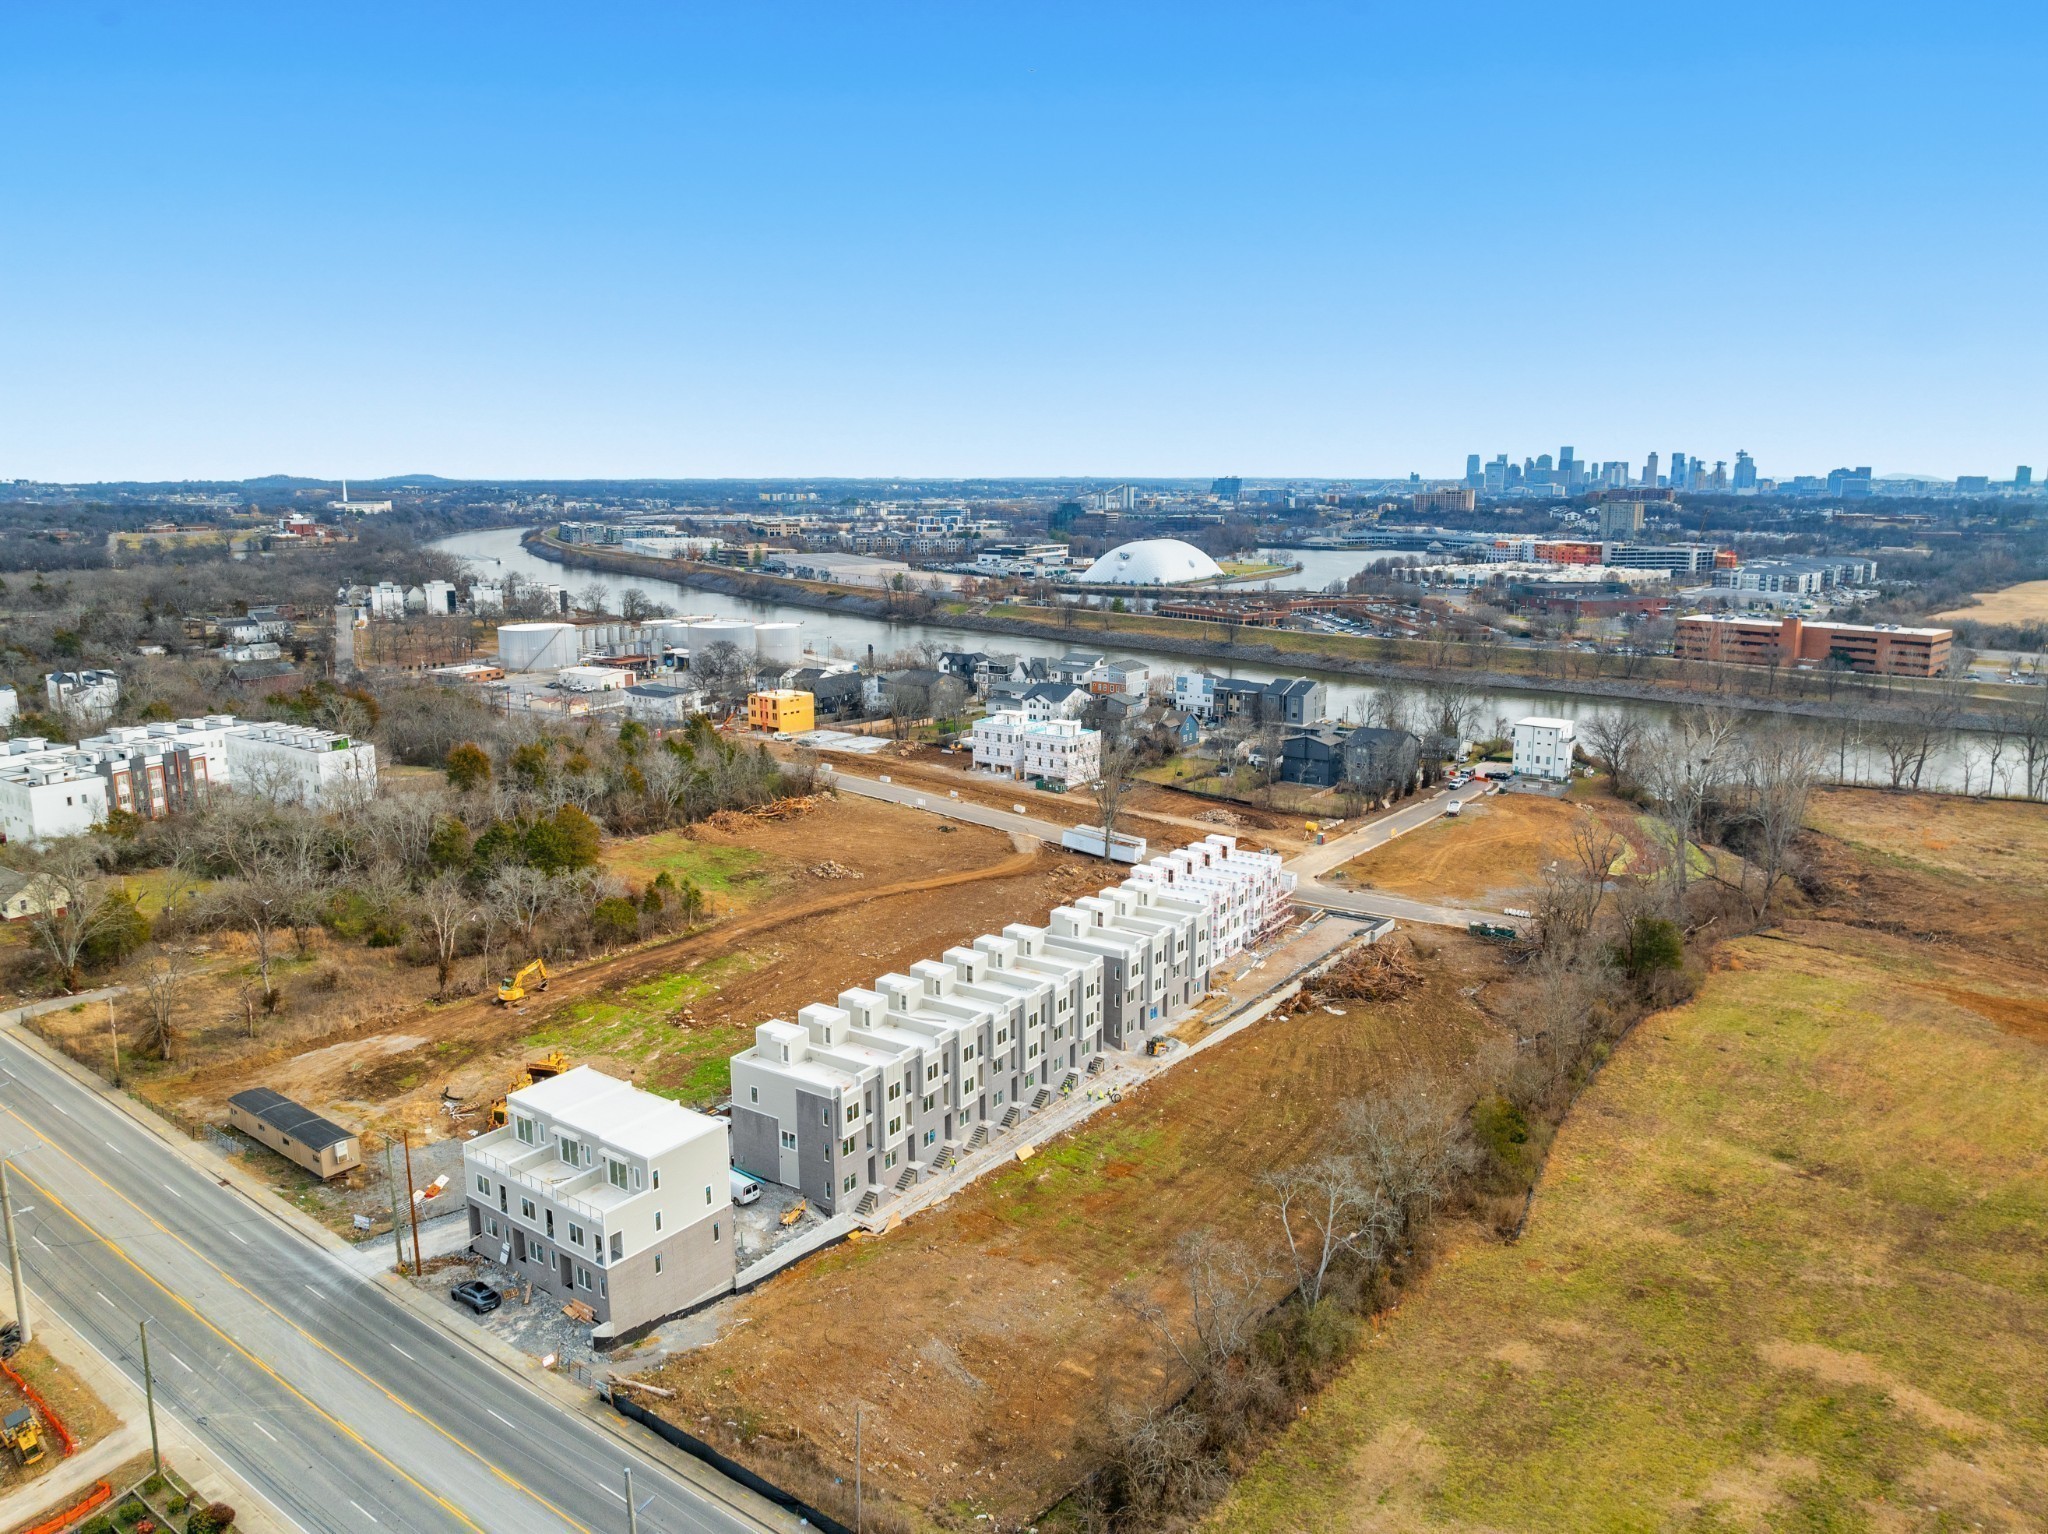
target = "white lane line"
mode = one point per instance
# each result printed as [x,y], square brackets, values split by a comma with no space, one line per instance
[109,1302]
[264,1431]
[113,1147]
[619,1494]
[60,1110]
[310,1290]
[174,1193]
[506,1420]
[179,1361]
[352,1502]
[238,1235]
[39,1242]
[401,1352]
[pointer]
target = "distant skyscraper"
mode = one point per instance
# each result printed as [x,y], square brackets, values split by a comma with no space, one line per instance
[1474,475]
[1678,471]
[2022,477]
[1745,471]
[1229,487]
[1650,472]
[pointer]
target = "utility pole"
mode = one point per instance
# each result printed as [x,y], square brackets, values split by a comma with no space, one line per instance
[149,1400]
[632,1513]
[14,1257]
[114,1034]
[412,1198]
[857,1509]
[397,1225]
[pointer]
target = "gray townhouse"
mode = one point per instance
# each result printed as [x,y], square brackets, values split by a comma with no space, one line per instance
[596,1191]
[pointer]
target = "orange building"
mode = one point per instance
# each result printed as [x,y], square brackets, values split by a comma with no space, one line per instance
[782,709]
[1564,551]
[1880,649]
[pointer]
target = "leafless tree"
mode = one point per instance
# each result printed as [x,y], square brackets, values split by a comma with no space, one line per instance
[1410,1145]
[525,895]
[1327,1209]
[445,907]
[1575,884]
[1115,773]
[1223,1286]
[1777,773]
[67,890]
[1682,770]
[1617,737]
[259,904]
[163,984]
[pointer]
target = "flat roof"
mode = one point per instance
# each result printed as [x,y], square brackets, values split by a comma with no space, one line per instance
[290,1118]
[614,1113]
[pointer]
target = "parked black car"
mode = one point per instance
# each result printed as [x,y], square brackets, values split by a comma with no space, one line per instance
[479,1297]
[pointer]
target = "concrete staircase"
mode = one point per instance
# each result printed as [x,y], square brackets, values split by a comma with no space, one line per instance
[1043,1097]
[868,1203]
[978,1139]
[947,1158]
[907,1178]
[1011,1118]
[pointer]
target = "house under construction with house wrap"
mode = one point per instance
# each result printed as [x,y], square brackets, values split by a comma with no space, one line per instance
[857,1099]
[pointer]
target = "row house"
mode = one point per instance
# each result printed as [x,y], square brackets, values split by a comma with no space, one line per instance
[855,1101]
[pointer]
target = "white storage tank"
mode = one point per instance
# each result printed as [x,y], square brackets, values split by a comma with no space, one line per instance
[778,643]
[721,631]
[536,646]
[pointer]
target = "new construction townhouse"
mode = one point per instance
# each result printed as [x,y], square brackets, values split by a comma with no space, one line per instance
[857,1100]
[597,1191]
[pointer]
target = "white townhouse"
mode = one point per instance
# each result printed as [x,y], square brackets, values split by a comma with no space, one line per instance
[1543,748]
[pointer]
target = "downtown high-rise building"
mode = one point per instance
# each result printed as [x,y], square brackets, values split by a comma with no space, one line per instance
[1745,471]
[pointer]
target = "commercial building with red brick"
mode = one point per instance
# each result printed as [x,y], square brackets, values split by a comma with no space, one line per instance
[1880,649]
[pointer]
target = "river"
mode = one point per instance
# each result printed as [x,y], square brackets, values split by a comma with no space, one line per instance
[499,552]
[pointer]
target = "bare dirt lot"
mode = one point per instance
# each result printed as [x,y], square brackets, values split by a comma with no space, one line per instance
[983,1336]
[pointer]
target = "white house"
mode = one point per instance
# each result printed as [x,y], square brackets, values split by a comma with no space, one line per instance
[43,795]
[595,678]
[296,764]
[994,741]
[1543,748]
[1061,751]
[1194,692]
[84,694]
[10,707]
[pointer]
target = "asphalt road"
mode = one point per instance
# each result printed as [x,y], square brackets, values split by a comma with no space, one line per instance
[344,1409]
[1309,864]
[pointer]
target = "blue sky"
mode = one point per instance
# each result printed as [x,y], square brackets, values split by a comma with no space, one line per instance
[760,238]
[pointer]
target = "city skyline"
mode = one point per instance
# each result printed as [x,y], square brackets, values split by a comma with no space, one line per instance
[1316,243]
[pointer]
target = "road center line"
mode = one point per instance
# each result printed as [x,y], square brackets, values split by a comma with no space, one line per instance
[110,1302]
[401,1352]
[614,1491]
[39,1242]
[506,1420]
[263,1430]
[179,1361]
[238,1235]
[174,1193]
[352,1502]
[113,1147]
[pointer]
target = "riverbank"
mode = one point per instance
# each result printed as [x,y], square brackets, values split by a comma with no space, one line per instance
[1411,661]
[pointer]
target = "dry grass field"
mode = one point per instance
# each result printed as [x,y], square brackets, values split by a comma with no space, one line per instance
[1784,1269]
[2025,603]
[1495,851]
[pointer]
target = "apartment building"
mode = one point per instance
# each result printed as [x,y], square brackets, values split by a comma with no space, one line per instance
[46,794]
[1543,748]
[782,709]
[296,764]
[856,1100]
[1881,649]
[1060,751]
[83,694]
[599,1192]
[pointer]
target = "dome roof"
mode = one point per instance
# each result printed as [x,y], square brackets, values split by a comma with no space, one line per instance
[1152,562]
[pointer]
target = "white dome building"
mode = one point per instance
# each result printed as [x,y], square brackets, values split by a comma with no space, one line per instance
[1152,562]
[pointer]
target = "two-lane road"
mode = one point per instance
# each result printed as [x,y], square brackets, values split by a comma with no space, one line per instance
[344,1409]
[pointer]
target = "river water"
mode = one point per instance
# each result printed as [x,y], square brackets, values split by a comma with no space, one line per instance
[498,552]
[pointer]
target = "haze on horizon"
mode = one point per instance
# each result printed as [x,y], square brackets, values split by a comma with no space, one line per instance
[918,241]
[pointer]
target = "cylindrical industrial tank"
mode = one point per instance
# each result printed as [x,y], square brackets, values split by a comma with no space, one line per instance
[536,646]
[778,644]
[721,631]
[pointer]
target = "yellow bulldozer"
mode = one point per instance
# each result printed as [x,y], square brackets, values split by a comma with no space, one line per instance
[513,987]
[549,1064]
[20,1431]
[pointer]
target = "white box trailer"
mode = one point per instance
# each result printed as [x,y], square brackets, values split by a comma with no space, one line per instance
[1089,839]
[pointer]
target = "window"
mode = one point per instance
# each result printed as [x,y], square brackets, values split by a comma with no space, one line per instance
[615,1172]
[491,1224]
[571,1151]
[895,1090]
[852,1112]
[526,1208]
[930,1135]
[655,1177]
[582,1277]
[929,1101]
[618,1245]
[638,1178]
[788,1139]
[1002,1035]
[714,1232]
[889,1160]
[600,1286]
[483,1185]
[753,1094]
[1031,1052]
[657,1262]
[575,1234]
[848,1185]
[657,1219]
[707,1193]
[931,1072]
[846,1146]
[527,1131]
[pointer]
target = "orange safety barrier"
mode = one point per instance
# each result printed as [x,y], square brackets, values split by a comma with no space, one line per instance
[103,1492]
[36,1399]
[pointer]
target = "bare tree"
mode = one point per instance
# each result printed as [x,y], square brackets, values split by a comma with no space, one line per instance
[1114,774]
[448,911]
[163,984]
[67,890]
[259,904]
[1575,884]
[1617,737]
[1777,781]
[1327,1209]
[1682,770]
[525,895]
[1409,1143]
[1224,1287]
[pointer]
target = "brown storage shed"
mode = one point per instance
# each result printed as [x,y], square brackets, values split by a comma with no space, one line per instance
[319,1145]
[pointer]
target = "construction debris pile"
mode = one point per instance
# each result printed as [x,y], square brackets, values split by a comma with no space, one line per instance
[1221,817]
[831,870]
[1381,972]
[777,809]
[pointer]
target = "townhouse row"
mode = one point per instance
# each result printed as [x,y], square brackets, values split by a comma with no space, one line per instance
[857,1100]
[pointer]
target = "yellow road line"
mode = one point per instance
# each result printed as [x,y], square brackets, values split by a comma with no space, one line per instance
[349,1364]
[186,1305]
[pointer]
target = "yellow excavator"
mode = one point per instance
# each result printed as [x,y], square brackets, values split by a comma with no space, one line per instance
[549,1064]
[20,1431]
[513,987]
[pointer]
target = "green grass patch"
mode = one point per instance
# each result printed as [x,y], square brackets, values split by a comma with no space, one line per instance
[638,1024]
[1783,1272]
[736,873]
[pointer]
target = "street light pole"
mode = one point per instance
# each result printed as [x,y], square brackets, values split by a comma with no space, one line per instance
[857,1509]
[114,1035]
[14,1257]
[149,1400]
[405,1140]
[632,1513]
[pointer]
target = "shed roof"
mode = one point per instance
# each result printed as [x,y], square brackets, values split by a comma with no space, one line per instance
[290,1118]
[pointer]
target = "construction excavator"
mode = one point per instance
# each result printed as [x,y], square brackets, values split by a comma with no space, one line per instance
[513,987]
[548,1065]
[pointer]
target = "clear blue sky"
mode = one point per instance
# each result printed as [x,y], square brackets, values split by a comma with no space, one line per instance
[977,238]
